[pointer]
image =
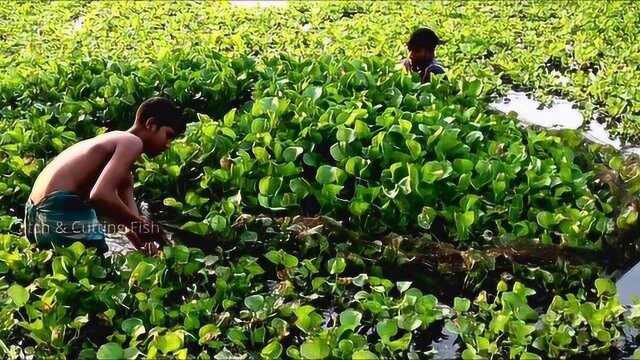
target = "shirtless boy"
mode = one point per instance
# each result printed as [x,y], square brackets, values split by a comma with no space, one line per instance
[94,177]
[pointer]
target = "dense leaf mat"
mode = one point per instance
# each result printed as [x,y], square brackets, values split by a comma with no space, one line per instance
[421,206]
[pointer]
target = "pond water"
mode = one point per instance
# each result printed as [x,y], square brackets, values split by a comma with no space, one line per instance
[629,285]
[560,114]
[118,244]
[447,346]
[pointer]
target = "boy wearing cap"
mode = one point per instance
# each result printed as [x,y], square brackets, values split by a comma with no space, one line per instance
[422,49]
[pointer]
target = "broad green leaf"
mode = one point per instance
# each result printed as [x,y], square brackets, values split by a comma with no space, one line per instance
[269,185]
[364,355]
[328,174]
[350,319]
[169,342]
[291,153]
[387,329]
[129,325]
[110,351]
[336,265]
[207,333]
[435,170]
[315,349]
[273,350]
[461,304]
[254,302]
[18,294]
[605,287]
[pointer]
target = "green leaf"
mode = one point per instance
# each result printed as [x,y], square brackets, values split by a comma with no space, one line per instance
[110,351]
[415,149]
[403,286]
[530,356]
[461,304]
[360,280]
[307,319]
[355,165]
[129,325]
[463,166]
[313,92]
[265,106]
[545,219]
[299,186]
[208,333]
[274,256]
[18,294]
[315,349]
[336,265]
[463,222]
[387,329]
[400,344]
[173,170]
[269,185]
[289,261]
[199,228]
[194,199]
[409,322]
[426,304]
[254,302]
[169,342]
[291,153]
[435,170]
[426,217]
[470,354]
[329,174]
[171,202]
[229,118]
[345,134]
[273,350]
[605,287]
[364,355]
[350,319]
[218,223]
[474,88]
[261,154]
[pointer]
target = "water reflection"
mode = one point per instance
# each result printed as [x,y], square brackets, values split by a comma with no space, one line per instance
[561,114]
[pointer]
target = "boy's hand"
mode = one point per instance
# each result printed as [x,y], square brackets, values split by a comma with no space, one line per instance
[149,231]
[148,248]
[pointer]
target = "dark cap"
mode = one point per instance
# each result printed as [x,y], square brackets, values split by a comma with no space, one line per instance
[424,38]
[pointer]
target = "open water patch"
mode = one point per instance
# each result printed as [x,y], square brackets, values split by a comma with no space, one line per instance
[560,114]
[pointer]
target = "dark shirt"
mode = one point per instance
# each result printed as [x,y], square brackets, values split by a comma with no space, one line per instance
[424,70]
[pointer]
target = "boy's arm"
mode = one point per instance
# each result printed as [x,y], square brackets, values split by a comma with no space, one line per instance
[104,195]
[126,194]
[125,191]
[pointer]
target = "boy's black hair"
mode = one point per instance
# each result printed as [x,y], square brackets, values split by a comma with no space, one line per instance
[163,111]
[423,38]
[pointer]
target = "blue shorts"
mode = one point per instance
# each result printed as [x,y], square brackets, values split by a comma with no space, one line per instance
[62,218]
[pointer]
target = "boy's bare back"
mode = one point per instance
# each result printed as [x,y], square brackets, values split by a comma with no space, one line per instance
[92,179]
[78,168]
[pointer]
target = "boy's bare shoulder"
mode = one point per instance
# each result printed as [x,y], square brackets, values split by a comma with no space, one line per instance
[121,139]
